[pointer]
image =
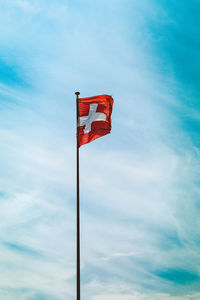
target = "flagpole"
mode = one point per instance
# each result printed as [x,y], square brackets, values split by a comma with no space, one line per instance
[78,297]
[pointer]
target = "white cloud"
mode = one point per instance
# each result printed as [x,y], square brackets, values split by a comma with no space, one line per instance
[138,296]
[27,6]
[125,292]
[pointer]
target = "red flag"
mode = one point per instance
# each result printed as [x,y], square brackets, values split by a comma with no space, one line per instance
[94,118]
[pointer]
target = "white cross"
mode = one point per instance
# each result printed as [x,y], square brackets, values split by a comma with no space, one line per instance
[93,116]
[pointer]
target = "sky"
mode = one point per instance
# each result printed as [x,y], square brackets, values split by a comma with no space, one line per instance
[140,185]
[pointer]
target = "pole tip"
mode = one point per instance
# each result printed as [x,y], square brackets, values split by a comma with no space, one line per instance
[77,93]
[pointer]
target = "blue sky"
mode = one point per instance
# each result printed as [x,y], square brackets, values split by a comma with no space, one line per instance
[140,187]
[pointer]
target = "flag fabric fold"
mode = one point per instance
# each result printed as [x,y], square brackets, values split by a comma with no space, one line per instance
[94,118]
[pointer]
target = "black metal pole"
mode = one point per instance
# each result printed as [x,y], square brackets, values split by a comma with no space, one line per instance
[78,281]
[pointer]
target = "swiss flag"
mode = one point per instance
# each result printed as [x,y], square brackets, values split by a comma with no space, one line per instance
[94,118]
